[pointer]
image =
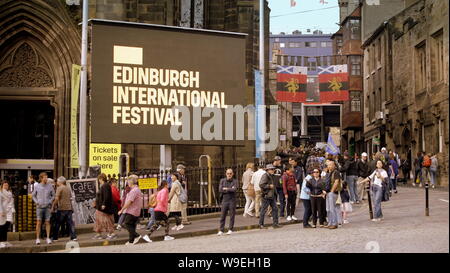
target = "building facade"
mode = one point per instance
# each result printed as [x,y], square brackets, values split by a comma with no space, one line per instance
[406,83]
[39,42]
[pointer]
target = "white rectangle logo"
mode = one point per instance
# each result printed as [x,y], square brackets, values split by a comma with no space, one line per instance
[128,55]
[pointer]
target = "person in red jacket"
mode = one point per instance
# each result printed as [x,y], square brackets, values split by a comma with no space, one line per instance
[290,192]
[116,199]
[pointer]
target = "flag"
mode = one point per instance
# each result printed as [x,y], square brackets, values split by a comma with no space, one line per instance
[333,83]
[291,83]
[293,3]
[331,146]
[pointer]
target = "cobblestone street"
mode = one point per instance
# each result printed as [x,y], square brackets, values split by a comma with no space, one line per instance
[405,229]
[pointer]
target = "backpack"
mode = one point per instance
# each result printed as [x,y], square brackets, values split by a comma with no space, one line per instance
[183,195]
[152,202]
[426,161]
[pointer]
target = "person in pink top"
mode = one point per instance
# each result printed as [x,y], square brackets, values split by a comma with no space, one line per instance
[162,203]
[132,210]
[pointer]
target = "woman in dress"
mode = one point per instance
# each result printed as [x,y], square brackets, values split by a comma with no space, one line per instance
[104,214]
[6,213]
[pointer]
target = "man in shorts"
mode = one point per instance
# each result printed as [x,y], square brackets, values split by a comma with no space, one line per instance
[43,197]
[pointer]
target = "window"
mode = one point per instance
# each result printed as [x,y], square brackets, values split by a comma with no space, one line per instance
[437,57]
[339,42]
[355,62]
[276,45]
[312,65]
[323,44]
[282,45]
[379,52]
[277,39]
[355,103]
[441,137]
[372,58]
[310,44]
[354,28]
[420,66]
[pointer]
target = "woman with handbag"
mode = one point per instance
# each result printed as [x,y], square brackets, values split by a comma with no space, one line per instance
[378,177]
[249,190]
[6,213]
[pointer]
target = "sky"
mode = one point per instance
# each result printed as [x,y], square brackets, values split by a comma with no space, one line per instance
[325,20]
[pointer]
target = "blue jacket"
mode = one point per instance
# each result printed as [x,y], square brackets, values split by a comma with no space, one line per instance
[304,194]
[394,165]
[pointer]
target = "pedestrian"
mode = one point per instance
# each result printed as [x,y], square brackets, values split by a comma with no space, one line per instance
[316,186]
[117,203]
[433,170]
[298,173]
[54,214]
[346,206]
[152,202]
[63,203]
[418,169]
[132,210]
[306,201]
[43,196]
[278,184]
[350,168]
[31,183]
[249,190]
[122,216]
[378,177]
[256,179]
[6,213]
[104,214]
[269,196]
[406,168]
[393,173]
[181,169]
[312,163]
[227,189]
[333,202]
[363,172]
[175,206]
[161,209]
[290,192]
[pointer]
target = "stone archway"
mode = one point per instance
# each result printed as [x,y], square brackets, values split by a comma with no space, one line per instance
[39,42]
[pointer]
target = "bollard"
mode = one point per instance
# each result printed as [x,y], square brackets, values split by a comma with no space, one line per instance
[427,209]
[369,200]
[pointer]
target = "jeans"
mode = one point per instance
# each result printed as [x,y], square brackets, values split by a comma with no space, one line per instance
[228,205]
[249,203]
[65,217]
[152,217]
[265,204]
[433,175]
[333,209]
[282,201]
[160,219]
[307,213]
[121,219]
[130,223]
[377,197]
[393,184]
[317,205]
[352,186]
[292,196]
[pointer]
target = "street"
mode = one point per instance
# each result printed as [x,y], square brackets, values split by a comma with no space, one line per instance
[405,229]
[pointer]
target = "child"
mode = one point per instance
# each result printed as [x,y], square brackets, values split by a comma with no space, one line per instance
[346,207]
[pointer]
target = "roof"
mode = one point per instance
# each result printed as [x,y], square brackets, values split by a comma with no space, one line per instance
[374,34]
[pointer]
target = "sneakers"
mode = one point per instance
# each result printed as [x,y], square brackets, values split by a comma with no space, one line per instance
[98,237]
[245,214]
[74,239]
[397,191]
[229,232]
[112,236]
[308,226]
[128,244]
[174,228]
[38,242]
[288,218]
[136,240]
[2,245]
[220,233]
[332,227]
[147,239]
[119,227]
[168,238]
[49,241]
[180,227]
[262,227]
[432,186]
[376,220]
[351,202]
[420,185]
[346,221]
[294,218]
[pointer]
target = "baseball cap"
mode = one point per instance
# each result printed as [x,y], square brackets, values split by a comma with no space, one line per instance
[277,158]
[364,154]
[180,166]
[270,167]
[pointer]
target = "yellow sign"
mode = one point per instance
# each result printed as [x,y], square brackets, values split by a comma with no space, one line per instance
[148,183]
[105,155]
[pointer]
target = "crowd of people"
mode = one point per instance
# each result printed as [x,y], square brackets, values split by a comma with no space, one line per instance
[326,185]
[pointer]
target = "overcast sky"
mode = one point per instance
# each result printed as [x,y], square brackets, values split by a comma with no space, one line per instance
[324,20]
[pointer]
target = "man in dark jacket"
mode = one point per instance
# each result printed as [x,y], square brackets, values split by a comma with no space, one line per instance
[268,189]
[279,169]
[350,168]
[363,173]
[227,188]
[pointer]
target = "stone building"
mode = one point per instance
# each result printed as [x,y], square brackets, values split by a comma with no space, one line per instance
[40,40]
[406,83]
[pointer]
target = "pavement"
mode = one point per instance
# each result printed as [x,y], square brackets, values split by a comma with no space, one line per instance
[404,229]
[404,222]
